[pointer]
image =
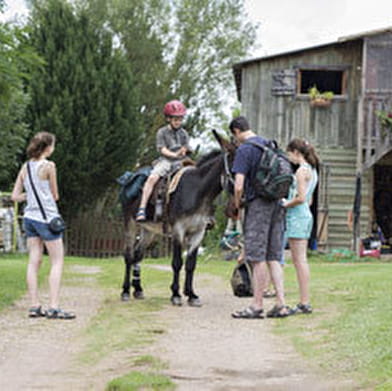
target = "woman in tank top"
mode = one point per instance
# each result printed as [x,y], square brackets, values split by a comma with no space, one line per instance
[36,226]
[299,218]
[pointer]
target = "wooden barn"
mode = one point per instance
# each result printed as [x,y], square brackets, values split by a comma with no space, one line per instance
[352,132]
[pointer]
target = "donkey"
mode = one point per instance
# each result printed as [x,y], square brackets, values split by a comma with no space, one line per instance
[189,212]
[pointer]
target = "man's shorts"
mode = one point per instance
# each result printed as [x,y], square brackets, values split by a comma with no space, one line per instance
[38,229]
[263,230]
[162,168]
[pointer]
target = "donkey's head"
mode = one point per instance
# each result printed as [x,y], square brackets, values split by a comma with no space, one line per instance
[226,145]
[228,148]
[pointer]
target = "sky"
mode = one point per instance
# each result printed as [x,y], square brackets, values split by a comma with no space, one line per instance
[286,25]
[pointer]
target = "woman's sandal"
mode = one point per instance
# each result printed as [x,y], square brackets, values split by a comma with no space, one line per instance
[248,313]
[281,311]
[57,313]
[36,312]
[141,215]
[302,309]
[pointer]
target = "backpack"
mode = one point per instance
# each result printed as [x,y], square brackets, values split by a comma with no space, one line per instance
[241,280]
[132,184]
[274,174]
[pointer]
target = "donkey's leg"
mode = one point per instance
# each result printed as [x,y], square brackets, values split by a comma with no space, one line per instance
[190,266]
[126,283]
[176,266]
[138,256]
[138,290]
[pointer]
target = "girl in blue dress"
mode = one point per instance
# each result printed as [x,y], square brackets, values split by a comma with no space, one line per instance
[299,219]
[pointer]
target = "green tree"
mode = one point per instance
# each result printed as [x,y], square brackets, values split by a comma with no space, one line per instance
[85,95]
[181,49]
[17,59]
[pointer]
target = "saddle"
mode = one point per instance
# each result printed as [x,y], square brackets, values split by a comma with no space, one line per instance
[164,188]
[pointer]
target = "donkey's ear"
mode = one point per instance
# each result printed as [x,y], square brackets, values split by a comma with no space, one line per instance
[222,141]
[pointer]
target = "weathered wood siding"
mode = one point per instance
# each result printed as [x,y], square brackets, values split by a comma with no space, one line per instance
[286,117]
[332,130]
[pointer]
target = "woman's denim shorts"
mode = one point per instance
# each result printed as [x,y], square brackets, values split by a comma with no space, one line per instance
[37,229]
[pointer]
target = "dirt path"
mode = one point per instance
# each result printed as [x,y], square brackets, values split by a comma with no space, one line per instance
[206,350]
[38,354]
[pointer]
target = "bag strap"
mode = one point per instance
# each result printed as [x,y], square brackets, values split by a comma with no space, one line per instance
[35,192]
[256,144]
[271,144]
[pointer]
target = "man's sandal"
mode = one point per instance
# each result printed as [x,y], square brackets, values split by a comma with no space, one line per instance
[57,313]
[141,215]
[248,313]
[268,294]
[281,311]
[36,312]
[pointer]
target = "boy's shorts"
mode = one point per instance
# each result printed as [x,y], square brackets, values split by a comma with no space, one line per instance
[162,168]
[38,229]
[263,230]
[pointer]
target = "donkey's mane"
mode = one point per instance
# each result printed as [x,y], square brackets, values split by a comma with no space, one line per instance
[208,157]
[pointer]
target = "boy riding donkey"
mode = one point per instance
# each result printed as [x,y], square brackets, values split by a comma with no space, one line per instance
[173,145]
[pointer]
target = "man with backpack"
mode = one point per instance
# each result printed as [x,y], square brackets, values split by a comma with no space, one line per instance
[264,215]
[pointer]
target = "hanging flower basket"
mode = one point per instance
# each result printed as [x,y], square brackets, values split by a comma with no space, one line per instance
[320,99]
[320,102]
[385,118]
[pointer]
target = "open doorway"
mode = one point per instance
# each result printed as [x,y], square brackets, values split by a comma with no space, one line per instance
[383,201]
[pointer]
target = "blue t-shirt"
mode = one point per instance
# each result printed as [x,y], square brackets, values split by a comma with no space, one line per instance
[246,161]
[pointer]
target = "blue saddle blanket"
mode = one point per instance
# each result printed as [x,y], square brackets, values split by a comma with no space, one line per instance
[132,183]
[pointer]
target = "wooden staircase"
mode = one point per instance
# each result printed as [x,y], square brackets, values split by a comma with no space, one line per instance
[341,164]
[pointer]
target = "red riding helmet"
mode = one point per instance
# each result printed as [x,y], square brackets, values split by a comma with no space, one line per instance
[174,108]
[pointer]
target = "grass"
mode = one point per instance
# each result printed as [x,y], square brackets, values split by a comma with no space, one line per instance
[350,327]
[13,277]
[349,333]
[135,381]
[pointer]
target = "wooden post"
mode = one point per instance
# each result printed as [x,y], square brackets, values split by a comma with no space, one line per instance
[360,133]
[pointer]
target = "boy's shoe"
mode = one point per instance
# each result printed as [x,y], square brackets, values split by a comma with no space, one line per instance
[57,313]
[141,215]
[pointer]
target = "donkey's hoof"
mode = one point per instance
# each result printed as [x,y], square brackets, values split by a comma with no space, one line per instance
[138,295]
[195,302]
[176,300]
[125,296]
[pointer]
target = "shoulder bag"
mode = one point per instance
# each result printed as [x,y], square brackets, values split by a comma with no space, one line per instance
[57,224]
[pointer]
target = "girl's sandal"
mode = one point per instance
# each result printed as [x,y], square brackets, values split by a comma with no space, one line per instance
[57,313]
[36,312]
[303,309]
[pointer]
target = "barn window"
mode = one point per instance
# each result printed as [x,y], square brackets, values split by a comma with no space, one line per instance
[324,79]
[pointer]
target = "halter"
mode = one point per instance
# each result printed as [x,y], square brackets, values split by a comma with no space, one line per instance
[227,177]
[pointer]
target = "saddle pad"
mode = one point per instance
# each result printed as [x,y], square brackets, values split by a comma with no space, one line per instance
[176,179]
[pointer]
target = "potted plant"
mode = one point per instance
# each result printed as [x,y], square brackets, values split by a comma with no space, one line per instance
[320,99]
[385,117]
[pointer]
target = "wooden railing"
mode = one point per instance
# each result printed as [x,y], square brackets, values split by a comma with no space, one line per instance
[377,140]
[99,236]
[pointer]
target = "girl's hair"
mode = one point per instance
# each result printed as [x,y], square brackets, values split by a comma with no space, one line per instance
[306,149]
[39,143]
